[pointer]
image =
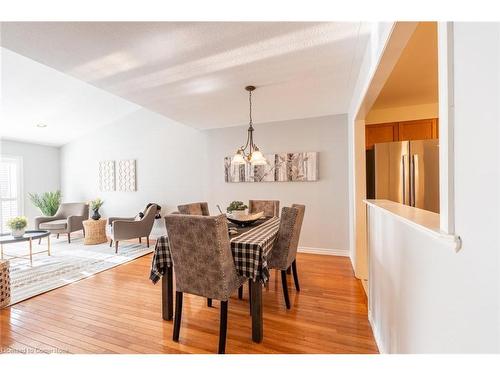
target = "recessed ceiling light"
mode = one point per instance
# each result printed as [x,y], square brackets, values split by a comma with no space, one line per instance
[41,125]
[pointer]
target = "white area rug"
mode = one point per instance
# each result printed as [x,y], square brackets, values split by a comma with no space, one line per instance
[68,263]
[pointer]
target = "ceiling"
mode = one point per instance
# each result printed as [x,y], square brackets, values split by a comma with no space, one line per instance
[414,79]
[195,72]
[32,94]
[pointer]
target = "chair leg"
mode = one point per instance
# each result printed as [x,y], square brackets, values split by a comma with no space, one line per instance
[209,302]
[223,327]
[289,271]
[285,289]
[240,292]
[110,243]
[140,240]
[69,237]
[295,276]
[147,241]
[116,247]
[57,235]
[178,315]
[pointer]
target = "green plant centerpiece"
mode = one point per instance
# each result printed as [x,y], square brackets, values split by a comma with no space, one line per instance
[238,206]
[18,226]
[47,203]
[95,205]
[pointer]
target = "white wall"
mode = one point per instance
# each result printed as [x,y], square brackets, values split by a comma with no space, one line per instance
[170,160]
[424,297]
[405,113]
[41,170]
[326,220]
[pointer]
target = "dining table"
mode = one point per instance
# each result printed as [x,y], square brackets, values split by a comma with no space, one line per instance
[250,247]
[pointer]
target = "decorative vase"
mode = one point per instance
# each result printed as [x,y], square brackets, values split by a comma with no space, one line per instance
[18,232]
[96,215]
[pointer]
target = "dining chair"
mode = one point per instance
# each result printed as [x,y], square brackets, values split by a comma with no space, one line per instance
[203,264]
[270,208]
[284,251]
[198,208]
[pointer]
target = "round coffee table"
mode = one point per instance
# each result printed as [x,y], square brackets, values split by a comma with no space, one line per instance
[28,236]
[95,231]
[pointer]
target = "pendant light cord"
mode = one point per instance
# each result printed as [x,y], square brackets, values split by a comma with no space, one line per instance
[250,101]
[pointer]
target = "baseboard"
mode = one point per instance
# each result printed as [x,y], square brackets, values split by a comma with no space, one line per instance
[376,334]
[322,251]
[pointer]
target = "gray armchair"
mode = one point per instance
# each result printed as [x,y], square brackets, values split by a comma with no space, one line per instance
[130,228]
[270,208]
[203,264]
[68,219]
[284,251]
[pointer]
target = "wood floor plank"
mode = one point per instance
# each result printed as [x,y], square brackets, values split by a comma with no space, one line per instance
[119,311]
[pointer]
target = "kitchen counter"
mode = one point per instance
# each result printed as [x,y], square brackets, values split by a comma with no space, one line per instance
[425,221]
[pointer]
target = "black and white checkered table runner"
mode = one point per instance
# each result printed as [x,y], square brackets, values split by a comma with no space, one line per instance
[250,251]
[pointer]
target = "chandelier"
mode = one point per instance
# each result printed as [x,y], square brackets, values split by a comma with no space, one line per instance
[249,153]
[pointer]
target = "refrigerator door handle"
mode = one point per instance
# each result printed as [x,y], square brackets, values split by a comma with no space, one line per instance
[412,181]
[403,178]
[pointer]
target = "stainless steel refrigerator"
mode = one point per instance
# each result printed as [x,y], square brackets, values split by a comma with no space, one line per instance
[407,172]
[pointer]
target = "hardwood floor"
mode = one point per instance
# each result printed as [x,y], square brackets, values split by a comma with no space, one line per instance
[119,311]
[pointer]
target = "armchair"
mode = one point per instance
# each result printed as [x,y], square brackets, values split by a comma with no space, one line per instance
[68,219]
[131,228]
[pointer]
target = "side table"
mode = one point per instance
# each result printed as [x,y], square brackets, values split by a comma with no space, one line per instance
[95,231]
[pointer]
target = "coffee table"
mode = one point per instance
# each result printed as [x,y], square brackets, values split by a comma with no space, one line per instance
[28,236]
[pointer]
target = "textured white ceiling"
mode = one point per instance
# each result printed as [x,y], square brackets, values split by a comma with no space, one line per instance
[32,93]
[195,73]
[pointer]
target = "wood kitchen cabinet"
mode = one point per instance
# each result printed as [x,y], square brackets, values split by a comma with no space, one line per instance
[401,131]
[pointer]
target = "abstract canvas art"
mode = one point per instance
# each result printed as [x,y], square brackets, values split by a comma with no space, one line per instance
[281,167]
[106,178]
[126,178]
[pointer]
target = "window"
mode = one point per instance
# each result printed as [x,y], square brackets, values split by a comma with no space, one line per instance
[11,203]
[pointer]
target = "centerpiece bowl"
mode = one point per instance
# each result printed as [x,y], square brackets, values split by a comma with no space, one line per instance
[243,220]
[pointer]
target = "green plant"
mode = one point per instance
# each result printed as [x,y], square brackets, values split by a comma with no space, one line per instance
[96,204]
[47,203]
[236,206]
[18,222]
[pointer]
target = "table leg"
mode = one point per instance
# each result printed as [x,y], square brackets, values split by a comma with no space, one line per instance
[167,295]
[257,324]
[31,252]
[48,244]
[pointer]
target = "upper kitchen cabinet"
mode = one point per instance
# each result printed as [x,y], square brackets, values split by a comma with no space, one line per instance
[401,131]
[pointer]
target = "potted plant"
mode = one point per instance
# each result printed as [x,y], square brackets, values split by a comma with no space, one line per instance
[17,225]
[237,208]
[47,203]
[94,206]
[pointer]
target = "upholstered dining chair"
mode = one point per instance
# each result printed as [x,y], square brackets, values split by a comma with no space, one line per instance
[203,264]
[129,229]
[284,251]
[198,208]
[68,219]
[270,208]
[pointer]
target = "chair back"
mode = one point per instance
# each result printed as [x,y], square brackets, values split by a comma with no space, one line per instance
[270,208]
[198,208]
[73,209]
[201,255]
[285,246]
[149,218]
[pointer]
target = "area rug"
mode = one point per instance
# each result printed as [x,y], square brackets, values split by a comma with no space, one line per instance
[68,263]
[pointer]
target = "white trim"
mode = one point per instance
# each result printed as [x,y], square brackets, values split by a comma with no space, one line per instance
[376,334]
[323,251]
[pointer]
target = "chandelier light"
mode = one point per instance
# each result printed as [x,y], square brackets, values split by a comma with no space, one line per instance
[249,153]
